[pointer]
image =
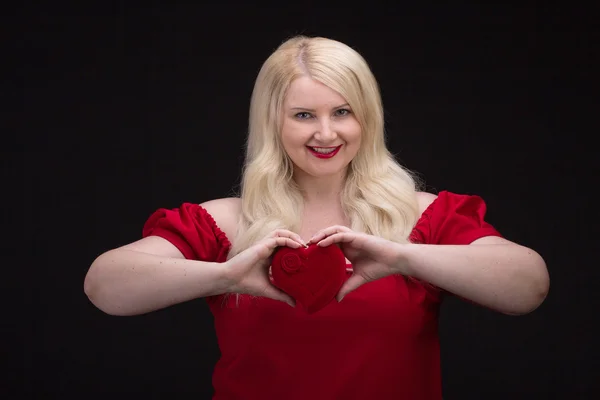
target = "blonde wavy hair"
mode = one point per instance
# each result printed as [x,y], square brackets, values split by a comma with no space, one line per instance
[379,195]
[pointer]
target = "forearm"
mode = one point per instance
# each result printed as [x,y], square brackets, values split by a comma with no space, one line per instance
[504,277]
[125,282]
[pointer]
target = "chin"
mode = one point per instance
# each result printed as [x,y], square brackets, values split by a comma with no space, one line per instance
[318,168]
[327,172]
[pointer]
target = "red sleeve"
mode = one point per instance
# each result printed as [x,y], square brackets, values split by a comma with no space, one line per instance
[452,219]
[456,219]
[192,230]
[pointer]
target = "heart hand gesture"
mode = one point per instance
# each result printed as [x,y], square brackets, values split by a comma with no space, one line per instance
[371,257]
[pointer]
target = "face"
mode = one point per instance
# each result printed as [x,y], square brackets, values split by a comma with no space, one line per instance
[320,133]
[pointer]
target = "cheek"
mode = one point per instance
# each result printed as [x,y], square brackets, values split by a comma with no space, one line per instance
[293,136]
[354,133]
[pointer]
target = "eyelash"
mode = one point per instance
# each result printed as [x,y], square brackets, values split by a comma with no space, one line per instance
[347,112]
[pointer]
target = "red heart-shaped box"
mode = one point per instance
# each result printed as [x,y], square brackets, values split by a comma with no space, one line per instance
[312,276]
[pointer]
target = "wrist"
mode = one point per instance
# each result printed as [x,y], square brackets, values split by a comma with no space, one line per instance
[403,255]
[217,277]
[228,278]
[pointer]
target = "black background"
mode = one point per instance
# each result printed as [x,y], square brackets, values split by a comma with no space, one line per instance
[119,110]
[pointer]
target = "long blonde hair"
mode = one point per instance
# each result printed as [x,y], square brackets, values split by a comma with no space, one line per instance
[378,195]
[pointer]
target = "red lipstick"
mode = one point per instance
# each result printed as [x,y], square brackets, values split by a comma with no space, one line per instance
[324,152]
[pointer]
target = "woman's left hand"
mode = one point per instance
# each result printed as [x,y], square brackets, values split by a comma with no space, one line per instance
[371,257]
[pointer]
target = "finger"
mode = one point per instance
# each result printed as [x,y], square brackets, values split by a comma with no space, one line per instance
[289,234]
[328,231]
[353,283]
[289,242]
[297,238]
[344,237]
[265,248]
[271,244]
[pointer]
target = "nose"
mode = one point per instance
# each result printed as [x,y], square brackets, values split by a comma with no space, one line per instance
[326,132]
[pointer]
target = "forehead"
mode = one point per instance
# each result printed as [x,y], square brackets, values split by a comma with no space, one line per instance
[306,92]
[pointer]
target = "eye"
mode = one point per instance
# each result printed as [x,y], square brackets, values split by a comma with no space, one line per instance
[302,115]
[342,112]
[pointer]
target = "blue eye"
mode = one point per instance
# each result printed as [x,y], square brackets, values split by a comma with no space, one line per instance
[303,115]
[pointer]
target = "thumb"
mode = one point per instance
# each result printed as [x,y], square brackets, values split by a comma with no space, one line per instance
[353,283]
[274,293]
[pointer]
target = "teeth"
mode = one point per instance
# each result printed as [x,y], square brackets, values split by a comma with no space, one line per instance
[323,151]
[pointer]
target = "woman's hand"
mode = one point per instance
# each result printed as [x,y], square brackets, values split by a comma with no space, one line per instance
[371,257]
[248,271]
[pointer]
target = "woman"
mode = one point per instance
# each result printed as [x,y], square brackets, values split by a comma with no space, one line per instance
[318,172]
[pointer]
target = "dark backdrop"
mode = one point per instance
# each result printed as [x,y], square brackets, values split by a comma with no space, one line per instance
[124,109]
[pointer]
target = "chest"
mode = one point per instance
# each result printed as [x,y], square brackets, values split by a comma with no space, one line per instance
[314,220]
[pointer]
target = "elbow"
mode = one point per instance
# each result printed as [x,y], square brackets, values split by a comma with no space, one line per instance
[92,287]
[536,288]
[91,282]
[539,286]
[100,300]
[96,291]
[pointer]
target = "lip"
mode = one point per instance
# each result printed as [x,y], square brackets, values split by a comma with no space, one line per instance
[320,155]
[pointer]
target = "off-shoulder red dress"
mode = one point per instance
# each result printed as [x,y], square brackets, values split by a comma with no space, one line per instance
[380,342]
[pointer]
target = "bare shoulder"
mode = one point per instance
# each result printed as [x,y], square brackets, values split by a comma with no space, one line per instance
[425,199]
[226,212]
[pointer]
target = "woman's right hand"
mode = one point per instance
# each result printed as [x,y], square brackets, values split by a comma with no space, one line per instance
[248,271]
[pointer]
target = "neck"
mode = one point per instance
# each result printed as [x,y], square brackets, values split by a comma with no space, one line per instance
[322,190]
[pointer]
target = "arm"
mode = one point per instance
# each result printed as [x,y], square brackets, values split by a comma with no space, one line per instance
[152,273]
[148,275]
[492,272]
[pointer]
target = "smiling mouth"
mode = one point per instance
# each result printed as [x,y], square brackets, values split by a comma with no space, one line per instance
[324,152]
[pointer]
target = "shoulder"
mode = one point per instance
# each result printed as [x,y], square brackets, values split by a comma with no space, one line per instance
[452,218]
[226,212]
[448,202]
[424,200]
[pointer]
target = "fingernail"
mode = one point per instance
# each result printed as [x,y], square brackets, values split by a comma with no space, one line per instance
[340,299]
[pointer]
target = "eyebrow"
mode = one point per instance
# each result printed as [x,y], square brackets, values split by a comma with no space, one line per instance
[310,109]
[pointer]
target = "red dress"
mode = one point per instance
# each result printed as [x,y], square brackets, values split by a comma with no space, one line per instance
[380,342]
